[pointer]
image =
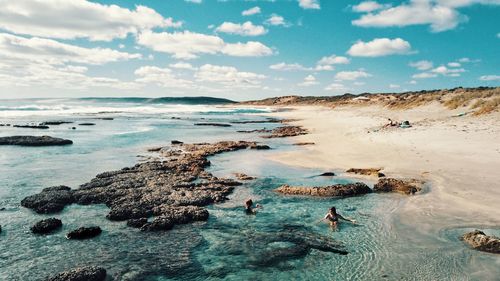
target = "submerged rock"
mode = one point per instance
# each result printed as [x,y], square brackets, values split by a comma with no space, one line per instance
[367,172]
[33,141]
[327,174]
[50,200]
[255,131]
[173,190]
[405,186]
[84,233]
[304,143]
[341,190]
[55,123]
[87,273]
[482,242]
[287,131]
[243,177]
[31,126]
[213,124]
[87,124]
[46,226]
[176,142]
[0,228]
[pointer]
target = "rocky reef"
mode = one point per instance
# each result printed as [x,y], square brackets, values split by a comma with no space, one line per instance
[213,124]
[84,233]
[340,190]
[172,189]
[286,131]
[243,177]
[87,273]
[367,172]
[33,141]
[46,226]
[482,242]
[404,186]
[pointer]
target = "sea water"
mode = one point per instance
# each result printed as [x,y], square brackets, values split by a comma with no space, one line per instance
[383,246]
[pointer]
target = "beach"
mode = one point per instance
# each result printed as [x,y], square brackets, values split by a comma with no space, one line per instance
[458,155]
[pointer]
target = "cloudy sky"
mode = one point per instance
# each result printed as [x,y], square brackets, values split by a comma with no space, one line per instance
[245,49]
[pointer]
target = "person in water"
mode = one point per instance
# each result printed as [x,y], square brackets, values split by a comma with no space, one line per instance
[249,209]
[333,218]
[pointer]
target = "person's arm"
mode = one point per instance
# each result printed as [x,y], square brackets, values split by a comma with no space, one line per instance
[346,219]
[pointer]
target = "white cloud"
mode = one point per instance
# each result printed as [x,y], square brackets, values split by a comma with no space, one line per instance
[490,78]
[424,75]
[351,75]
[309,80]
[335,87]
[394,86]
[454,64]
[244,29]
[77,19]
[416,12]
[368,6]
[182,65]
[251,11]
[188,45]
[162,77]
[333,59]
[422,65]
[275,19]
[413,82]
[228,76]
[380,47]
[309,4]
[194,1]
[288,67]
[48,51]
[443,70]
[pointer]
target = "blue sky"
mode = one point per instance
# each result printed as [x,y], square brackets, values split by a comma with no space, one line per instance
[245,49]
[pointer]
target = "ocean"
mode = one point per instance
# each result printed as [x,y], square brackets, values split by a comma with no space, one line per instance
[230,245]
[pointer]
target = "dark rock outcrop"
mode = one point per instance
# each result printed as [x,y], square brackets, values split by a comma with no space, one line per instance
[482,242]
[327,174]
[367,172]
[50,200]
[243,177]
[404,186]
[172,190]
[260,147]
[87,124]
[0,229]
[174,142]
[213,124]
[84,233]
[255,131]
[304,143]
[46,226]
[55,123]
[33,141]
[286,131]
[87,273]
[31,126]
[340,190]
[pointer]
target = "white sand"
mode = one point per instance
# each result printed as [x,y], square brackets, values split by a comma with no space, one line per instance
[459,156]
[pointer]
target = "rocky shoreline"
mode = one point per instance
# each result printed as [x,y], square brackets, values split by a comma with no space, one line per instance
[34,141]
[154,195]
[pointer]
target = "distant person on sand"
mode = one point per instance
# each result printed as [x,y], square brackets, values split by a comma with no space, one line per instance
[391,123]
[249,209]
[333,218]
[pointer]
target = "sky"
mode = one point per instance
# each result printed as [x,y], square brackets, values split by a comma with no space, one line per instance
[244,49]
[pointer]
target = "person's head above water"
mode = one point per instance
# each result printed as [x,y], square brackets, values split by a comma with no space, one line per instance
[333,210]
[248,203]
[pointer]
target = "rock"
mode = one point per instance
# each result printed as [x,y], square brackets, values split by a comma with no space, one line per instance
[213,124]
[327,174]
[243,177]
[31,126]
[87,124]
[405,186]
[304,143]
[342,190]
[87,273]
[33,141]
[176,142]
[0,229]
[55,123]
[137,223]
[260,147]
[106,118]
[172,190]
[46,226]
[84,233]
[255,131]
[482,242]
[367,172]
[50,200]
[287,131]
[154,149]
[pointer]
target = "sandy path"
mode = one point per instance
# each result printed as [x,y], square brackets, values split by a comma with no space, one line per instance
[460,156]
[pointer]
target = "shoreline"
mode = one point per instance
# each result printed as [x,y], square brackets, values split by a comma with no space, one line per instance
[457,157]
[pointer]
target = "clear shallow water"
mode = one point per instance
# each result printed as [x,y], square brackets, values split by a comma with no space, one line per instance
[228,246]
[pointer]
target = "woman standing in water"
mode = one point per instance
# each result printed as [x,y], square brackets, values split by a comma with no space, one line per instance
[249,209]
[333,218]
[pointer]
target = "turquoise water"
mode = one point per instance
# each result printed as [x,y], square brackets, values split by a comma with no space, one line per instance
[231,245]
